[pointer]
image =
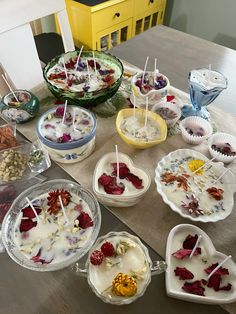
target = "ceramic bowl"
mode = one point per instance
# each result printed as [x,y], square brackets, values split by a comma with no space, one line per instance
[222,138]
[154,95]
[9,223]
[86,98]
[134,257]
[169,106]
[129,197]
[69,152]
[141,144]
[178,199]
[196,123]
[209,255]
[20,112]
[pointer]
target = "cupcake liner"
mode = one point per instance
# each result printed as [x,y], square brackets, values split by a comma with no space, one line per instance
[222,138]
[171,106]
[195,122]
[154,96]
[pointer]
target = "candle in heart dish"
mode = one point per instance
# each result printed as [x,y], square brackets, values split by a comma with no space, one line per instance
[192,278]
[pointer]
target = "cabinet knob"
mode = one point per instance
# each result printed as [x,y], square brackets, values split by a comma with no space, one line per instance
[117,14]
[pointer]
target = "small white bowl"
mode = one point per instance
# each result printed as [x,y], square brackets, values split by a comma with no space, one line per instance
[171,106]
[195,122]
[154,95]
[222,138]
[126,199]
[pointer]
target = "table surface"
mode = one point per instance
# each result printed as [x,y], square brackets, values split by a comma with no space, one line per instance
[24,291]
[178,53]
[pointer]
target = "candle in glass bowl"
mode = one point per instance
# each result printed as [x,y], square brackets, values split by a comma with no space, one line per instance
[53,236]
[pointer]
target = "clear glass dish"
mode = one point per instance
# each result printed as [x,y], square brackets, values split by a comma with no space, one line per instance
[8,226]
[35,160]
[138,254]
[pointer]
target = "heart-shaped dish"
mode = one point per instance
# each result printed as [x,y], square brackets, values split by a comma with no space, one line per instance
[209,208]
[131,195]
[209,255]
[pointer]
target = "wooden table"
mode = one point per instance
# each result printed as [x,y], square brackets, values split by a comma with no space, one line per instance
[178,53]
[24,291]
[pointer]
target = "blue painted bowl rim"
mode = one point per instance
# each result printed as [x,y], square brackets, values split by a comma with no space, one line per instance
[71,145]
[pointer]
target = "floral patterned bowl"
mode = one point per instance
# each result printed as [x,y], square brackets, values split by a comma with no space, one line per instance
[86,98]
[68,152]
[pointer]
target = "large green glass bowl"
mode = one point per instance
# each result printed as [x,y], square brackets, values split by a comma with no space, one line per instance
[86,99]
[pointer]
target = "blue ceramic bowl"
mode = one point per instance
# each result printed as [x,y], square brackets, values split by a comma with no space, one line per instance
[69,152]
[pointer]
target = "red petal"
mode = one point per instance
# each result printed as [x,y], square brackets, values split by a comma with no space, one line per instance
[27,224]
[29,213]
[194,287]
[105,179]
[123,170]
[182,253]
[214,282]
[221,271]
[190,241]
[226,288]
[169,98]
[114,188]
[85,220]
[59,102]
[135,180]
[183,273]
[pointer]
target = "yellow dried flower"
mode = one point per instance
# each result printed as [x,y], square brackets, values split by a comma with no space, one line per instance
[196,164]
[124,285]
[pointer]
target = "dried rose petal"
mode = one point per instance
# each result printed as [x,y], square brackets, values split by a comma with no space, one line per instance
[182,253]
[85,220]
[114,188]
[135,180]
[91,64]
[226,288]
[123,170]
[37,258]
[168,177]
[190,241]
[183,273]
[65,138]
[105,179]
[27,224]
[59,112]
[221,271]
[28,211]
[214,282]
[194,288]
[169,98]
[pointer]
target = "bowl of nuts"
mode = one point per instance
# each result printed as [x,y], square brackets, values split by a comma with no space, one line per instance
[22,162]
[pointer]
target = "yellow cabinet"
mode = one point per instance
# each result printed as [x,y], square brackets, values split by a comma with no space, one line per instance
[107,24]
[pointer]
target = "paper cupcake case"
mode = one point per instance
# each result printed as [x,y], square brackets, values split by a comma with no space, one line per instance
[222,138]
[196,122]
[171,106]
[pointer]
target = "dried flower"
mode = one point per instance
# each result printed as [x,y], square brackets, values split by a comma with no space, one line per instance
[195,164]
[192,206]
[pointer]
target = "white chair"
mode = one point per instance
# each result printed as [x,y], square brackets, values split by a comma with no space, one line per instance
[18,53]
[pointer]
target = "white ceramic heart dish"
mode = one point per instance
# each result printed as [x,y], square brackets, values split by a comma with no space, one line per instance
[130,197]
[196,265]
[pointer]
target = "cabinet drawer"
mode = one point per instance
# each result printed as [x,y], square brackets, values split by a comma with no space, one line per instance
[142,5]
[112,15]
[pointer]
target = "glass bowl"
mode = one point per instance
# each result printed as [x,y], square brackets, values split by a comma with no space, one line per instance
[129,252]
[8,226]
[86,98]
